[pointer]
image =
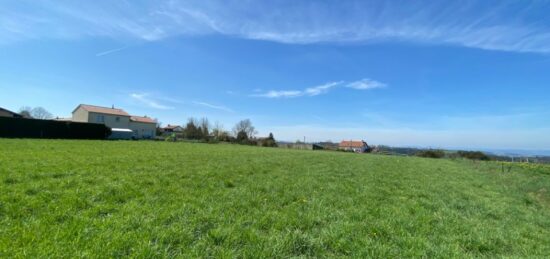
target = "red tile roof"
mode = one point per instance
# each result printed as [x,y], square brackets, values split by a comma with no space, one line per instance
[105,110]
[351,143]
[142,119]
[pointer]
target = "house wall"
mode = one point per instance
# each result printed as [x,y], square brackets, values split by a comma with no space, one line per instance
[111,121]
[355,149]
[80,115]
[5,114]
[299,146]
[140,129]
[143,130]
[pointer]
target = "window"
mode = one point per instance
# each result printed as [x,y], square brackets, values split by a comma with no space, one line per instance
[117,119]
[100,119]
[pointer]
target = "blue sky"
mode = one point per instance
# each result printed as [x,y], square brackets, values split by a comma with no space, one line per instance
[463,74]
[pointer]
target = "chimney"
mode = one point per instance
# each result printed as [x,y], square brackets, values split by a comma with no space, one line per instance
[112,107]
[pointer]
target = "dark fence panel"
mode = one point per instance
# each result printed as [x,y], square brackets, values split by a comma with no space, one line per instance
[32,128]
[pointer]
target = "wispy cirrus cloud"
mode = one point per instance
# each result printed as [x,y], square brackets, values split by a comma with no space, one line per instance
[311,91]
[364,84]
[212,106]
[150,102]
[111,51]
[476,24]
[279,94]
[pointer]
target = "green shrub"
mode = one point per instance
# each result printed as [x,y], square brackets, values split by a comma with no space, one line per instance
[474,155]
[431,153]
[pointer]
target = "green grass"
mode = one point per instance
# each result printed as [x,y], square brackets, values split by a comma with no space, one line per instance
[62,198]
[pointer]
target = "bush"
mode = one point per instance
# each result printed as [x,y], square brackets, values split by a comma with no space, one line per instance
[268,142]
[432,153]
[474,155]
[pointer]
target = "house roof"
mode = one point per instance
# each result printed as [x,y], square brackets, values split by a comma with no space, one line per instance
[99,109]
[172,126]
[352,143]
[14,114]
[142,119]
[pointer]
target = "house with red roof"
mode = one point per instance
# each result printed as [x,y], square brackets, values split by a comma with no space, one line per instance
[118,120]
[358,146]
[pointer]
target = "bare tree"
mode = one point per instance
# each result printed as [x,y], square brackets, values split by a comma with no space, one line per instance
[25,111]
[244,127]
[205,126]
[158,129]
[217,129]
[36,113]
[41,113]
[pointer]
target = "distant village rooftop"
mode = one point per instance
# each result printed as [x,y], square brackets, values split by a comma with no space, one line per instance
[353,143]
[359,146]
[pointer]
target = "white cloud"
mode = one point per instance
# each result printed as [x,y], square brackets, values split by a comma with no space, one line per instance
[145,99]
[212,106]
[366,84]
[311,91]
[321,89]
[279,94]
[476,24]
[107,52]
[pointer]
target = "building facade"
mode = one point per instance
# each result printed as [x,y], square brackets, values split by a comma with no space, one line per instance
[114,118]
[358,146]
[172,128]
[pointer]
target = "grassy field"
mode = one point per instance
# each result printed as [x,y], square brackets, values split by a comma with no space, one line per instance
[63,198]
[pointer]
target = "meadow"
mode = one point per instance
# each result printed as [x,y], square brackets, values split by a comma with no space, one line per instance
[68,198]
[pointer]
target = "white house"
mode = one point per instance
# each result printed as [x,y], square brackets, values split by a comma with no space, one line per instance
[142,127]
[358,146]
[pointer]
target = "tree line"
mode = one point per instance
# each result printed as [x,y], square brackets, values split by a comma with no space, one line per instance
[242,133]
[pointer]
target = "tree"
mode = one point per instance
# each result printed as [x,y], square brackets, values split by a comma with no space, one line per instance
[204,126]
[26,112]
[242,137]
[244,127]
[219,133]
[36,113]
[191,130]
[158,128]
[41,113]
[269,141]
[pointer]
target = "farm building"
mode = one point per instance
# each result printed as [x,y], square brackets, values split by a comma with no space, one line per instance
[8,113]
[142,127]
[304,146]
[358,146]
[172,128]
